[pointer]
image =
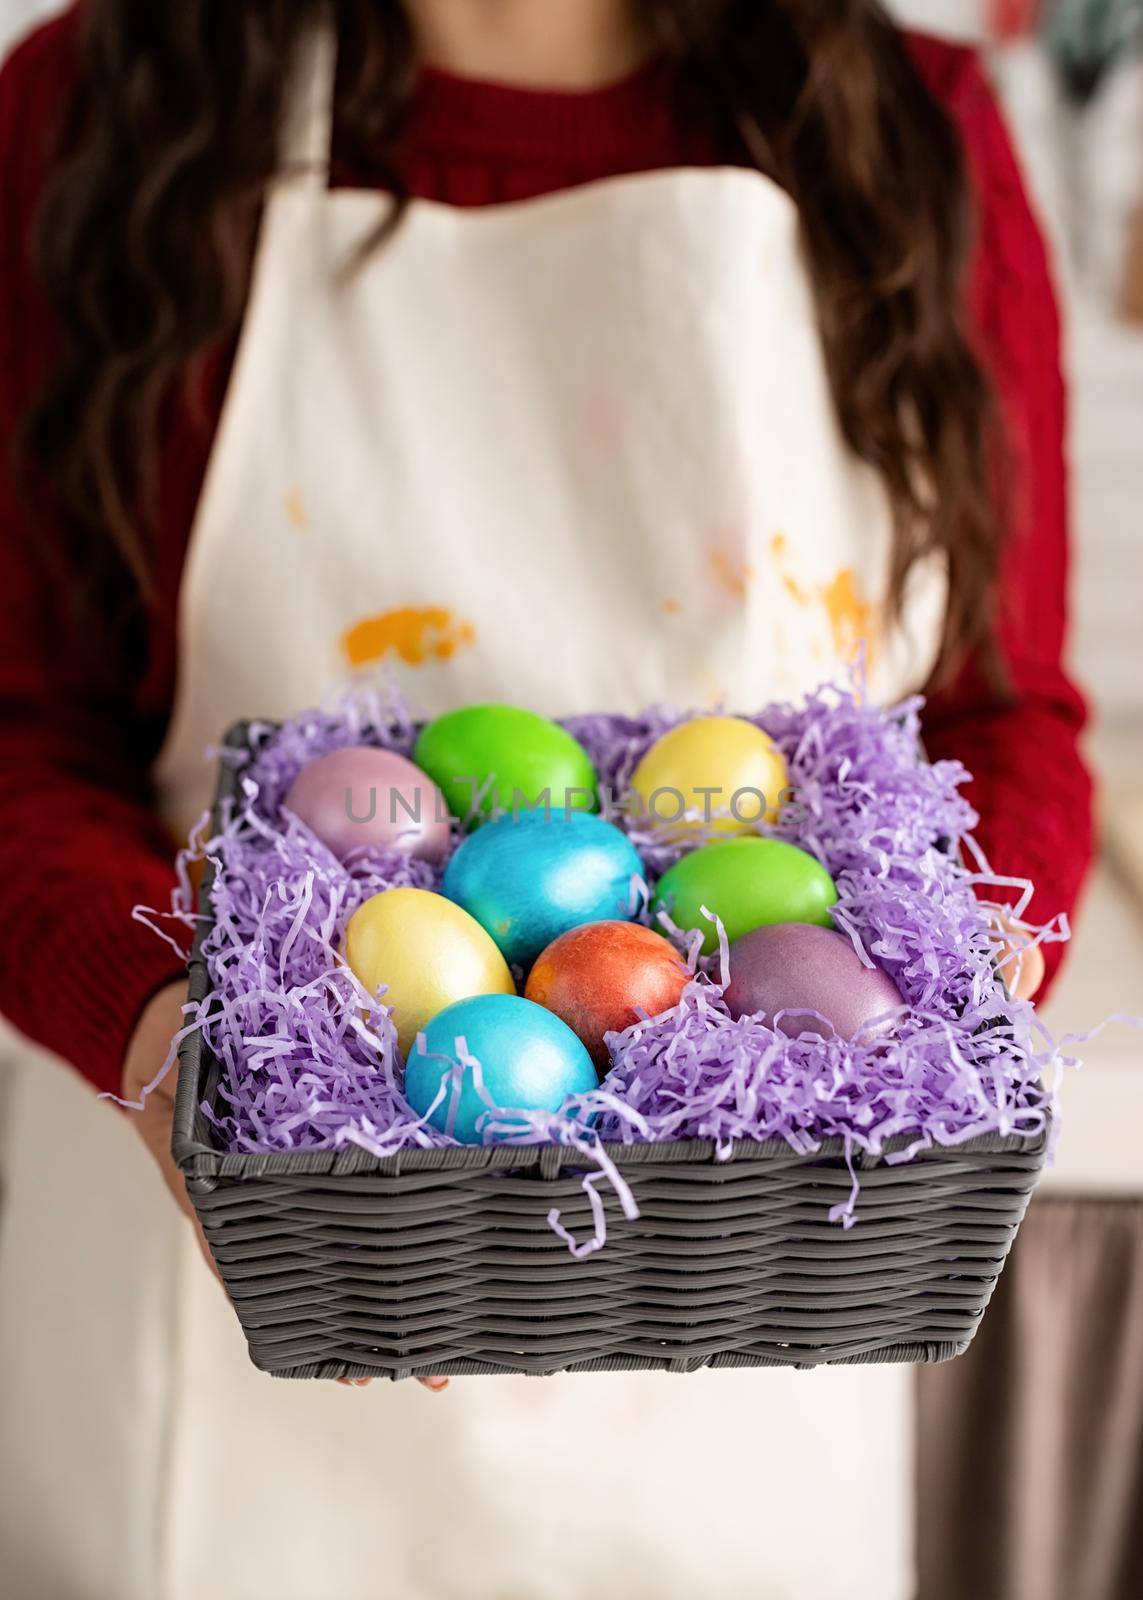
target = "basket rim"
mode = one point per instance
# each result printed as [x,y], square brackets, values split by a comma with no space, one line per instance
[198,1158]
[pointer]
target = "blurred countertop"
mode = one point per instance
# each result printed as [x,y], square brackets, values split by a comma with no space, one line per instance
[1101,1141]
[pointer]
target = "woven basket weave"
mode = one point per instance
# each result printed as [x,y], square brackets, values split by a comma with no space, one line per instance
[341,1264]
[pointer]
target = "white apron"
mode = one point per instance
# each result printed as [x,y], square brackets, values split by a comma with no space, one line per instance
[576,453]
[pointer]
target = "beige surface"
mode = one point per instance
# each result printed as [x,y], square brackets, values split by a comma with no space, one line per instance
[1123,834]
[1101,1142]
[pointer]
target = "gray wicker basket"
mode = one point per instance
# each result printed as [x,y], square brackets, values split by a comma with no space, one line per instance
[341,1264]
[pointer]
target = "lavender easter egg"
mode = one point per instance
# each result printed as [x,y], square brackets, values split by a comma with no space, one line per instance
[529,1061]
[528,879]
[362,796]
[599,977]
[798,966]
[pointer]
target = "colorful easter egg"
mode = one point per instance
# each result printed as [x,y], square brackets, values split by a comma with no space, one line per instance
[512,758]
[598,978]
[797,966]
[426,952]
[715,775]
[362,796]
[745,882]
[528,879]
[529,1061]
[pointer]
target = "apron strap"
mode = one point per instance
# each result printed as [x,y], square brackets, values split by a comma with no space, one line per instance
[306,135]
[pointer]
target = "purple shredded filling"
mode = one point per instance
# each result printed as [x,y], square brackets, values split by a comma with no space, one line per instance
[309,1059]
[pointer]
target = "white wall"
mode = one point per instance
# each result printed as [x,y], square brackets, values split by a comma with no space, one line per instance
[959,19]
[16,16]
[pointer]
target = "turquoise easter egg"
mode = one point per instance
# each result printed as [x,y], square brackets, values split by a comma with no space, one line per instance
[529,1061]
[528,879]
[510,758]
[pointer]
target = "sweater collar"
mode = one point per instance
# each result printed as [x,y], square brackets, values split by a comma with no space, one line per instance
[630,121]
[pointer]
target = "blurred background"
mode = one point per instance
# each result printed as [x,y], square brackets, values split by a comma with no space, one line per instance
[1071,75]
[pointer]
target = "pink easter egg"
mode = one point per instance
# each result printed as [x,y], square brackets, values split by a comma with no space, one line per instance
[362,796]
[800,966]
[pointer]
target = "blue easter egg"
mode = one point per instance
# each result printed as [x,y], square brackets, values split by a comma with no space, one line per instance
[528,879]
[530,1061]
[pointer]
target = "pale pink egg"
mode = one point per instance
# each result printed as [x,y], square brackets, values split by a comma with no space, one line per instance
[362,796]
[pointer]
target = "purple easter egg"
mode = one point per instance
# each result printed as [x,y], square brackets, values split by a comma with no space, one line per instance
[362,796]
[802,967]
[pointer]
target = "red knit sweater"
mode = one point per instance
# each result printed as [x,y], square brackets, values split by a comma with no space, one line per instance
[80,844]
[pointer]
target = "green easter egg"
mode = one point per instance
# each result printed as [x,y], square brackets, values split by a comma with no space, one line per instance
[516,759]
[748,883]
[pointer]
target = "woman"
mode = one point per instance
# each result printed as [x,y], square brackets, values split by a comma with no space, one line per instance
[581,355]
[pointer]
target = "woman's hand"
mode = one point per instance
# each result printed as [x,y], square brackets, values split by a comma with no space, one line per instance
[160,1020]
[1021,965]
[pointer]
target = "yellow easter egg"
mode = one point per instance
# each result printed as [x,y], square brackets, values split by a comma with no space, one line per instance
[426,952]
[715,775]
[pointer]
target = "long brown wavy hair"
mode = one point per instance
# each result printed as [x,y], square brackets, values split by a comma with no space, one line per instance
[146,236]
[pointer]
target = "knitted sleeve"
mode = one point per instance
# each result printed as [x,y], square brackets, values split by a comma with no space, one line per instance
[80,844]
[1030,784]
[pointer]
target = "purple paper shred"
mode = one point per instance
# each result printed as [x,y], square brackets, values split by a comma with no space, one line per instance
[309,1059]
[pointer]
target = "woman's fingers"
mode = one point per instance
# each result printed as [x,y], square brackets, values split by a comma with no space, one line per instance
[159,1022]
[1021,963]
[437,1385]
[1029,968]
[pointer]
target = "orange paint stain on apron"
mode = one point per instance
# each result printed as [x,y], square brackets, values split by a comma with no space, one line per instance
[779,549]
[852,620]
[415,634]
[296,511]
[732,576]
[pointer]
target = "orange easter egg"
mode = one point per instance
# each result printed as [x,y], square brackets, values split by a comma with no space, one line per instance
[594,977]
